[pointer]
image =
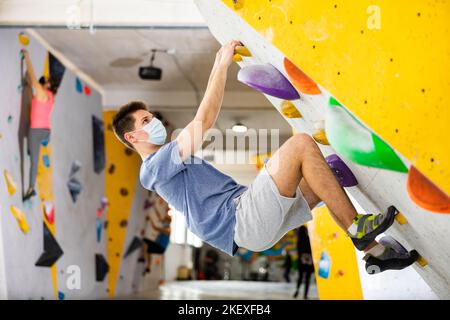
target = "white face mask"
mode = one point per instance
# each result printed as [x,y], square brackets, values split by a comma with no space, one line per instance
[157,134]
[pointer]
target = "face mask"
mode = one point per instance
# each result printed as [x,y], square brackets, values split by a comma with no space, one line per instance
[156,132]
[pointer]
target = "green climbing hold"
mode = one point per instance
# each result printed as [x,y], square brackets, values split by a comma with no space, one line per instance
[354,141]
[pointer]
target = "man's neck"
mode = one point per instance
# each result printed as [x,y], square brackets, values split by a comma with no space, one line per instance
[146,150]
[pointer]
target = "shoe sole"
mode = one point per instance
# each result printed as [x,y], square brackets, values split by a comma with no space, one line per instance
[375,265]
[362,243]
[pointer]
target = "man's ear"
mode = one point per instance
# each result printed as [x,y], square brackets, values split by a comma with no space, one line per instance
[129,138]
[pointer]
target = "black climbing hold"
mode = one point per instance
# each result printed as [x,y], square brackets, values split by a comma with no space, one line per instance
[111,169]
[123,192]
[101,267]
[135,244]
[123,223]
[52,250]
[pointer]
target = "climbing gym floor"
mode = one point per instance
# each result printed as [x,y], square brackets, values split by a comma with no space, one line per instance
[225,290]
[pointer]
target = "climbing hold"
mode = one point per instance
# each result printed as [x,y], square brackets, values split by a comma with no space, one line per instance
[21,220]
[10,184]
[78,85]
[105,224]
[123,192]
[341,171]
[23,39]
[299,79]
[357,143]
[238,4]
[87,90]
[128,151]
[340,273]
[111,169]
[99,144]
[401,219]
[135,244]
[422,261]
[99,229]
[289,110]
[101,267]
[104,203]
[76,166]
[74,188]
[324,265]
[52,250]
[243,51]
[49,211]
[147,204]
[237,58]
[99,213]
[123,223]
[10,118]
[46,160]
[319,133]
[267,79]
[44,142]
[61,295]
[425,193]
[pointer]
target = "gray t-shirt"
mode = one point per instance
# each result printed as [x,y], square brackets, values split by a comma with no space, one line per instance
[201,192]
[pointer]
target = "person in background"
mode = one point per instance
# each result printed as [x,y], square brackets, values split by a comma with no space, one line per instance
[287,265]
[305,262]
[40,118]
[160,244]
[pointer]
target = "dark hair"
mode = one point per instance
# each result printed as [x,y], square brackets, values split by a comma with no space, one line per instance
[53,88]
[123,121]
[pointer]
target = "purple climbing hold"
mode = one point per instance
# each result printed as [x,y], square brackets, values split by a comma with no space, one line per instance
[342,172]
[269,80]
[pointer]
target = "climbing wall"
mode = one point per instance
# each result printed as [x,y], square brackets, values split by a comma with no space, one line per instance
[55,246]
[360,78]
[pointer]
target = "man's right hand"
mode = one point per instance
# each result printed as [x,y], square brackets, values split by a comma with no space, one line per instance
[224,56]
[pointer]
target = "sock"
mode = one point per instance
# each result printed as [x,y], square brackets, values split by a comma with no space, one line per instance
[376,251]
[353,229]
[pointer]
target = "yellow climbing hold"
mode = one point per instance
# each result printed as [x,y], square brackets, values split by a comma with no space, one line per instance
[237,58]
[10,183]
[243,51]
[422,261]
[21,220]
[238,4]
[401,219]
[289,110]
[319,134]
[23,39]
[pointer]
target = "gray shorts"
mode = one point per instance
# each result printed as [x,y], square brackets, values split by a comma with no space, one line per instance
[264,216]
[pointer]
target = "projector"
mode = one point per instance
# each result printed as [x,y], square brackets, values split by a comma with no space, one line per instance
[150,73]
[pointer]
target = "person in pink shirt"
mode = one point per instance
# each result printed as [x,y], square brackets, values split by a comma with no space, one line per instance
[40,119]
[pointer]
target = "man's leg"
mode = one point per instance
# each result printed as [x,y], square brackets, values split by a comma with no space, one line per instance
[300,158]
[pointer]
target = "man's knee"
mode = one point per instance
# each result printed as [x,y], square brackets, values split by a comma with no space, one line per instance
[304,142]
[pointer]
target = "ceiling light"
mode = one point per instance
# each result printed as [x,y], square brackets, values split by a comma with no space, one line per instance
[239,128]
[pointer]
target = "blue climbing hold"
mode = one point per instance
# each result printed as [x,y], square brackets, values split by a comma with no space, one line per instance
[44,142]
[99,229]
[61,295]
[46,161]
[324,265]
[78,85]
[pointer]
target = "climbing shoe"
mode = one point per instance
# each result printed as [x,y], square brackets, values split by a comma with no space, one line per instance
[394,257]
[368,226]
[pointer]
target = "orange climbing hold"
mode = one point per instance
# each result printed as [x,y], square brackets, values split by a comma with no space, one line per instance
[425,193]
[299,79]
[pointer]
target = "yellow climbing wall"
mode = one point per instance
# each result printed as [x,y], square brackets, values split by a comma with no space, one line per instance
[120,188]
[386,61]
[44,182]
[343,282]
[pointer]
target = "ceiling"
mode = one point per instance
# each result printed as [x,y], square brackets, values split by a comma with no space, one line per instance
[98,55]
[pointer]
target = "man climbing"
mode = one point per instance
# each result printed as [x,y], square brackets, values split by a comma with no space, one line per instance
[228,215]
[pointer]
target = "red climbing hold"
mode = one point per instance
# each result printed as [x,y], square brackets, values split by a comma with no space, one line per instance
[425,193]
[299,79]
